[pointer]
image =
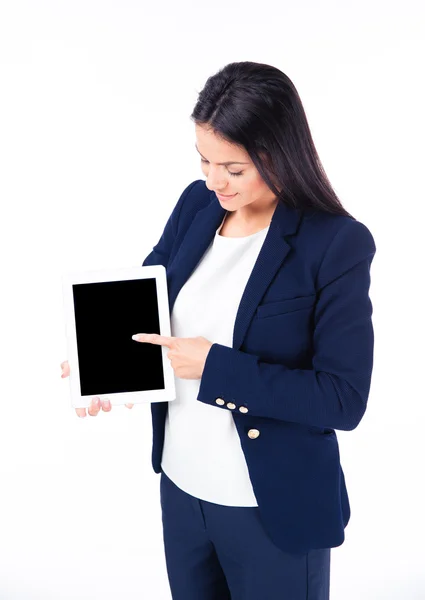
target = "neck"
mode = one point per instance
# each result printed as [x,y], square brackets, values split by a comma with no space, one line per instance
[250,216]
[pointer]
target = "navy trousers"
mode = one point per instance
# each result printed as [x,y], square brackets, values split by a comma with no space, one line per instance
[216,552]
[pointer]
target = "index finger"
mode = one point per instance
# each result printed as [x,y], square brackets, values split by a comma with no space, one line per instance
[154,338]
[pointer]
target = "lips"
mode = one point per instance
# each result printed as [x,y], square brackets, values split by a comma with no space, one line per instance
[225,196]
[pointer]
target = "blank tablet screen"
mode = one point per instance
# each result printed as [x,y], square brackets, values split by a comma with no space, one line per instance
[107,314]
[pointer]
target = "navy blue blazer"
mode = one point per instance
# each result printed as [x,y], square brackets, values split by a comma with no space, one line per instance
[301,360]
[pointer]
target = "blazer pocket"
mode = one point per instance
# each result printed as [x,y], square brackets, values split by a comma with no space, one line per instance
[285,306]
[321,431]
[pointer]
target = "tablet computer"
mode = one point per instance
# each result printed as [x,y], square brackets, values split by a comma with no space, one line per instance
[103,309]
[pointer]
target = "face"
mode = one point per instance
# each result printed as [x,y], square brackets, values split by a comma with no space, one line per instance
[251,193]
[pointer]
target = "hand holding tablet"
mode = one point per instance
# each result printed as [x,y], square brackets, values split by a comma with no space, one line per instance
[96,404]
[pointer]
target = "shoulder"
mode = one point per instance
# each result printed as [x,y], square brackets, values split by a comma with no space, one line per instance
[328,226]
[193,198]
[326,231]
[337,242]
[333,244]
[199,194]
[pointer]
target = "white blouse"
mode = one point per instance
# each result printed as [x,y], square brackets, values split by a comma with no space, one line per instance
[202,452]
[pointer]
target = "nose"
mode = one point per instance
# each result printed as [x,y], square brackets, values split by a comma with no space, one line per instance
[216,183]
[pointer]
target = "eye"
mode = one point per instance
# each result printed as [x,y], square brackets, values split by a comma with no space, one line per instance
[230,173]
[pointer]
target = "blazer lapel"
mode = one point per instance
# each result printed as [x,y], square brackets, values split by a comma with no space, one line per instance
[273,252]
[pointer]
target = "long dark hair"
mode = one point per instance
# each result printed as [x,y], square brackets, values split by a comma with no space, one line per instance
[256,106]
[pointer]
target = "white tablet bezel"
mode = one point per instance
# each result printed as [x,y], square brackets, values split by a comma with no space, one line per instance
[141,397]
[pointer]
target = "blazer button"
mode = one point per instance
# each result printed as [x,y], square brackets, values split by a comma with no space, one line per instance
[253,434]
[243,409]
[219,401]
[231,405]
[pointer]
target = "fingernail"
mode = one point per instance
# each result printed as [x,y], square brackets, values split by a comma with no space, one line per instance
[135,337]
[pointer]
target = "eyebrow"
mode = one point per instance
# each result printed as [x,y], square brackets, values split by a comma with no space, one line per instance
[229,162]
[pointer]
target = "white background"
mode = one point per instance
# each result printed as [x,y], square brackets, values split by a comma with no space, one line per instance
[96,146]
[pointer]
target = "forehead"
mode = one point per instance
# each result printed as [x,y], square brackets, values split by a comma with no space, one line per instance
[210,145]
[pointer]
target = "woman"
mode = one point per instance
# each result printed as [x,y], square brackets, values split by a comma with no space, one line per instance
[272,349]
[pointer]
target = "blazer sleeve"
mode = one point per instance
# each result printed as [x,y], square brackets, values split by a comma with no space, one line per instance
[334,393]
[160,253]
